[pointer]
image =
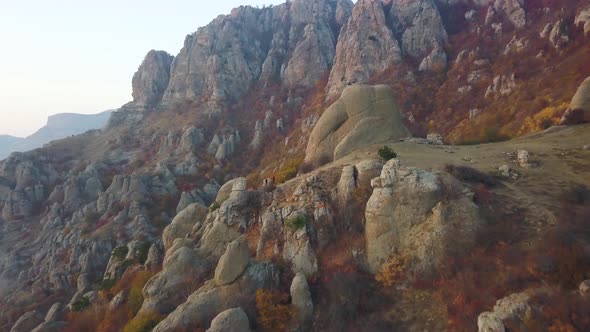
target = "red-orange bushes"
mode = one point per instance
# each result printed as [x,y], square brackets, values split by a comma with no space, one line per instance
[274,311]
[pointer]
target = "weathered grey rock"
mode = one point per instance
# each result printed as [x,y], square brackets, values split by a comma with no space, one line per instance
[232,320]
[583,17]
[191,138]
[183,223]
[585,287]
[299,252]
[347,184]
[17,206]
[366,46]
[513,307]
[292,44]
[435,61]
[522,159]
[93,187]
[579,108]
[56,312]
[502,85]
[301,299]
[233,262]
[409,212]
[50,327]
[151,79]
[205,303]
[27,322]
[187,198]
[182,272]
[363,116]
[154,257]
[225,190]
[216,237]
[314,53]
[513,10]
[434,139]
[419,26]
[214,145]
[515,45]
[558,36]
[118,300]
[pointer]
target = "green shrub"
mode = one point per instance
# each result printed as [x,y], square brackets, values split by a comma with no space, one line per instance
[142,251]
[106,284]
[297,222]
[120,252]
[214,206]
[386,153]
[81,304]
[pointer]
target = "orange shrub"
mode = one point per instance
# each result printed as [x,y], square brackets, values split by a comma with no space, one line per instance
[289,170]
[274,312]
[393,271]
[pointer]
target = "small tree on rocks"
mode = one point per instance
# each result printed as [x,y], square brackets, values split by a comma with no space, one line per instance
[386,153]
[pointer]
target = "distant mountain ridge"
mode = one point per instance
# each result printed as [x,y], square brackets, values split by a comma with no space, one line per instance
[58,126]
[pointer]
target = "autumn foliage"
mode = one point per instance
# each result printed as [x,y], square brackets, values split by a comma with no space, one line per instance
[393,271]
[274,311]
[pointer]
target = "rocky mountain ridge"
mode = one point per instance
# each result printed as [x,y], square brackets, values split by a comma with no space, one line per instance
[58,126]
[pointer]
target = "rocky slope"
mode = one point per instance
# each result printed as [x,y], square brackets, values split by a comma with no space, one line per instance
[242,187]
[58,126]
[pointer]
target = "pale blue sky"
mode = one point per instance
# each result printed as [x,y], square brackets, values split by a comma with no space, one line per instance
[79,55]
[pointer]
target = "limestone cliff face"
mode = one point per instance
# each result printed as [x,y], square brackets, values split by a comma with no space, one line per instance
[366,46]
[418,25]
[291,43]
[151,79]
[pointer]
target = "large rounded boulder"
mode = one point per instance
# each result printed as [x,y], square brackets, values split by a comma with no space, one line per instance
[579,109]
[364,115]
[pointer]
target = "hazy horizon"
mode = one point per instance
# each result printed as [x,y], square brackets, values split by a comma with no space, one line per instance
[66,56]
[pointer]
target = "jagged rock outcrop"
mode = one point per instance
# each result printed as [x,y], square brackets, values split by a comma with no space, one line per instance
[293,43]
[301,299]
[233,262]
[258,135]
[188,166]
[50,327]
[55,313]
[27,322]
[191,138]
[583,17]
[232,320]
[558,36]
[418,25]
[363,116]
[151,79]
[435,61]
[183,223]
[315,51]
[413,212]
[17,206]
[511,308]
[219,228]
[227,147]
[579,108]
[189,197]
[184,268]
[502,85]
[514,11]
[208,301]
[366,46]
